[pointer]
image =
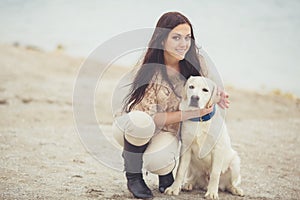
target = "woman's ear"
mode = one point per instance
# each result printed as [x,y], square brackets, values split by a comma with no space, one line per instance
[183,104]
[183,93]
[217,95]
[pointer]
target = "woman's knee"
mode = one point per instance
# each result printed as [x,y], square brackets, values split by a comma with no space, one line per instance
[137,127]
[162,153]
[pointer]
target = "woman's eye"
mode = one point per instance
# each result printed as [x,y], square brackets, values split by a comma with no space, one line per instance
[191,87]
[188,38]
[176,38]
[205,90]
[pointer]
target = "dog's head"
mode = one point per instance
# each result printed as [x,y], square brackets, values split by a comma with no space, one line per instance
[200,92]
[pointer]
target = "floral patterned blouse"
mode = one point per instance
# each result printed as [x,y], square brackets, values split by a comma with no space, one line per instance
[159,97]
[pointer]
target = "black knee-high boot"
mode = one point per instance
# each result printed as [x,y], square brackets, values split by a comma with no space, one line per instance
[133,163]
[165,181]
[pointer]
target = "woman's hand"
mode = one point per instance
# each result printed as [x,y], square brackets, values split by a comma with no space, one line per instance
[196,113]
[166,118]
[205,111]
[224,102]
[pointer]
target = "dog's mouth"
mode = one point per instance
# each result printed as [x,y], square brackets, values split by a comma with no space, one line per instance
[194,102]
[195,105]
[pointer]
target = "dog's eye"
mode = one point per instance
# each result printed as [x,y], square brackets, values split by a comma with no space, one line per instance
[191,87]
[205,90]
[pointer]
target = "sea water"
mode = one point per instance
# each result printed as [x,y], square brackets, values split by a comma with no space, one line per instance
[254,44]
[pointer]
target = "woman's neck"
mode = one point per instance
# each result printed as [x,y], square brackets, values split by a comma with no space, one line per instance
[171,62]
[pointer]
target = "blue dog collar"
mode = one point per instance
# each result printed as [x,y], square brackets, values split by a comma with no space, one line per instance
[205,117]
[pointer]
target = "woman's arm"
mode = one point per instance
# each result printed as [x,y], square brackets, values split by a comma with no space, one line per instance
[166,118]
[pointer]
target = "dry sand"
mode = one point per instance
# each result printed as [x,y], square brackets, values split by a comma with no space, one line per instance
[42,156]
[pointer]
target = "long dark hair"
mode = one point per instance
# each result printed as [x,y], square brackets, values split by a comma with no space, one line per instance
[154,59]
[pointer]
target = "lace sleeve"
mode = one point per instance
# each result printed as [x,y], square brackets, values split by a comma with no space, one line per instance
[149,103]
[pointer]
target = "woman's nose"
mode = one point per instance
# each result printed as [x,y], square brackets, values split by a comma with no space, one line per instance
[183,42]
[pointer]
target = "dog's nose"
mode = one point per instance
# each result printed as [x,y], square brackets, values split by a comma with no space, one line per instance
[194,101]
[195,98]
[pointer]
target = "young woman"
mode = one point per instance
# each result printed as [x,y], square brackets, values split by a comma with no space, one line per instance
[150,122]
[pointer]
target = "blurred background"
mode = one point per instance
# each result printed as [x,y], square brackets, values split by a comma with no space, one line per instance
[254,44]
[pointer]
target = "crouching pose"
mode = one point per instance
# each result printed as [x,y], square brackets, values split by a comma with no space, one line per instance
[148,126]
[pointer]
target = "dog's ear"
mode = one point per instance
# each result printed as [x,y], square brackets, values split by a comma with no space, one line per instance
[214,97]
[183,92]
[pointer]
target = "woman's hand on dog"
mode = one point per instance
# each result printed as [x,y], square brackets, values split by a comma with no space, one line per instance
[224,99]
[205,111]
[189,114]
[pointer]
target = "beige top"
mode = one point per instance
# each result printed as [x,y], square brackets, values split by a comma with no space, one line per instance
[159,97]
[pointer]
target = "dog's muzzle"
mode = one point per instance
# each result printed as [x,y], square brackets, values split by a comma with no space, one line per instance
[194,102]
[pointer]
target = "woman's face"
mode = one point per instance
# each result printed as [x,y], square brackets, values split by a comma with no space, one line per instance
[178,42]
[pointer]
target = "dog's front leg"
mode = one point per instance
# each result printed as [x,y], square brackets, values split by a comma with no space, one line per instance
[184,162]
[213,185]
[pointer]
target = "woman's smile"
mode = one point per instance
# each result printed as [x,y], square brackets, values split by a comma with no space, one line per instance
[181,51]
[178,42]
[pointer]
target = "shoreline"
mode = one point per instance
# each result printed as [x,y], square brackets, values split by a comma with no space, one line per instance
[61,50]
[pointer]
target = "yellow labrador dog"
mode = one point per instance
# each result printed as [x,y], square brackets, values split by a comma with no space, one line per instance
[207,159]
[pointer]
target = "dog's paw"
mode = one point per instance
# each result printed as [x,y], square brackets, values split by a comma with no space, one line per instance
[236,191]
[187,187]
[172,190]
[212,195]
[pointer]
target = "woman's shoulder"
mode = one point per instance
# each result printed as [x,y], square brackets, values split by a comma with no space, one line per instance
[158,83]
[157,78]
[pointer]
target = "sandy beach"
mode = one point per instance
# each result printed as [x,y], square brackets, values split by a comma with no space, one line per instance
[42,155]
